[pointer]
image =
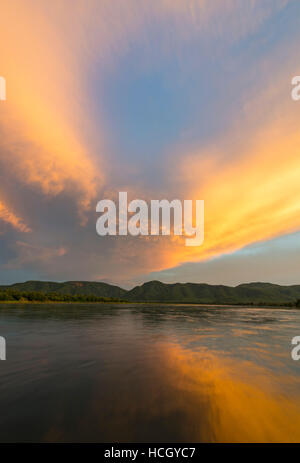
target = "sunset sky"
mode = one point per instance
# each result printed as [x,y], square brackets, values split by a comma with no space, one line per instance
[163,99]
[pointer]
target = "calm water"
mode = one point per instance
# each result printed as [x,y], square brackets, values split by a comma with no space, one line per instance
[131,373]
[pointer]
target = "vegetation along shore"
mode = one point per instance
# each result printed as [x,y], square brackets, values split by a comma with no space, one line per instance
[260,294]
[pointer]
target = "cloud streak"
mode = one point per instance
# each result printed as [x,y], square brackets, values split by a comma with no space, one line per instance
[12,219]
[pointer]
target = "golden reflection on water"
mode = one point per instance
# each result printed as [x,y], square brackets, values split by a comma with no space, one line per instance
[179,395]
[244,402]
[147,376]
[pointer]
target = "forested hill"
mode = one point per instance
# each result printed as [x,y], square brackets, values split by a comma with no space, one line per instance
[85,288]
[215,294]
[156,291]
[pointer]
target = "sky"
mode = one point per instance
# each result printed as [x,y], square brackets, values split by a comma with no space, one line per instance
[163,99]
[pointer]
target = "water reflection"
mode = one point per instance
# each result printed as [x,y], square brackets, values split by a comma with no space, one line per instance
[149,373]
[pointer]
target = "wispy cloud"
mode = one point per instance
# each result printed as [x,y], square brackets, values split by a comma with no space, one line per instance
[29,253]
[12,219]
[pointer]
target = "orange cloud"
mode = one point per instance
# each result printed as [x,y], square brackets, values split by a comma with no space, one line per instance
[41,120]
[12,219]
[46,51]
[250,185]
[255,198]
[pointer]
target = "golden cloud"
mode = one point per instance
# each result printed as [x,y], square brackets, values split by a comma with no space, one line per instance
[12,219]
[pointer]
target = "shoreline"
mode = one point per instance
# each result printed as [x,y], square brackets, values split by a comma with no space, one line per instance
[248,306]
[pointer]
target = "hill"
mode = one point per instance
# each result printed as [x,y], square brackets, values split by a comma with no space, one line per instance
[84,288]
[255,293]
[156,291]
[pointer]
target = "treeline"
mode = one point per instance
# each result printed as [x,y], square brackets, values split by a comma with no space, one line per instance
[10,295]
[34,296]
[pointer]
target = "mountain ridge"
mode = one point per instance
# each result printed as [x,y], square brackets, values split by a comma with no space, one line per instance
[157,291]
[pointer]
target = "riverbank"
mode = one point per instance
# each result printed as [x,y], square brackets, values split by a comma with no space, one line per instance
[149,303]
